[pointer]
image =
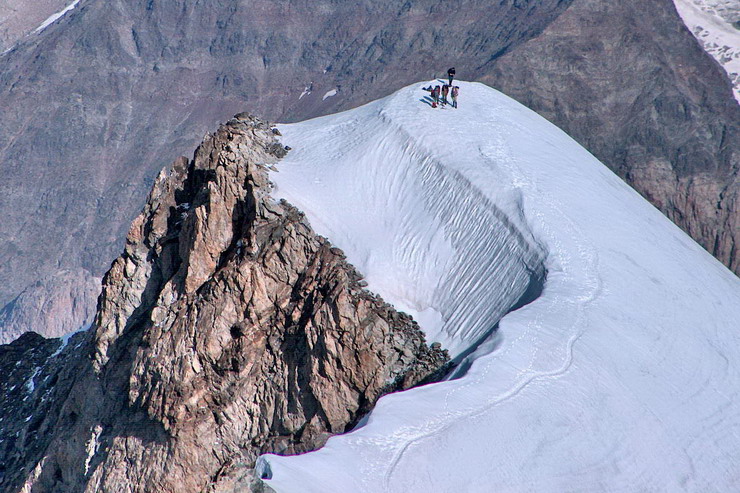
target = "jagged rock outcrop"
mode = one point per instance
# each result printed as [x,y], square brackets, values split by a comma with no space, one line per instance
[98,103]
[227,328]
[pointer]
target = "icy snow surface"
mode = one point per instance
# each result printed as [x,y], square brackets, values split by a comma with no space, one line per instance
[711,22]
[621,376]
[54,17]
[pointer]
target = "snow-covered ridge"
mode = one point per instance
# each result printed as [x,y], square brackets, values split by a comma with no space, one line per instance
[621,376]
[430,242]
[711,22]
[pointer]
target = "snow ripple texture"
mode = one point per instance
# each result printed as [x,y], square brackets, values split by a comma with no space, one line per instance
[621,376]
[427,239]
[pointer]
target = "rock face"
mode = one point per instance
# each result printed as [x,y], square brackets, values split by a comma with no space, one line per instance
[630,83]
[716,25]
[227,328]
[127,84]
[21,17]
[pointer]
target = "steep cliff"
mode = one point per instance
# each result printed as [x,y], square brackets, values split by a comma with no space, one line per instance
[227,328]
[127,84]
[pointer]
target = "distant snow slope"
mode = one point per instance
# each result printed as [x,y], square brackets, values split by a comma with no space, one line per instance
[712,22]
[623,374]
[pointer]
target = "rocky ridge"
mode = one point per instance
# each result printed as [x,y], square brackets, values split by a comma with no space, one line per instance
[129,84]
[126,85]
[226,329]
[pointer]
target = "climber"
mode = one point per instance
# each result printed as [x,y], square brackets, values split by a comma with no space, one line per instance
[445,92]
[451,74]
[435,96]
[455,91]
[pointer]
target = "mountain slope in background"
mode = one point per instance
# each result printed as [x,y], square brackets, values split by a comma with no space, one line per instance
[19,18]
[226,329]
[622,375]
[128,84]
[627,81]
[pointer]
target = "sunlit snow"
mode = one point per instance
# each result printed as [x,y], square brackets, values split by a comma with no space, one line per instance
[306,92]
[621,376]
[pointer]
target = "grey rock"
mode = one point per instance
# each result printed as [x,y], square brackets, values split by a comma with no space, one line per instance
[629,82]
[54,306]
[19,18]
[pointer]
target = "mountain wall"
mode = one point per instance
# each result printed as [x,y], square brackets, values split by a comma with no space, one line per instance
[95,105]
[19,18]
[226,329]
[629,82]
[58,304]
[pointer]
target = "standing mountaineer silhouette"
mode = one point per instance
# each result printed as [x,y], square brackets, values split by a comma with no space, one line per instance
[455,91]
[445,91]
[451,74]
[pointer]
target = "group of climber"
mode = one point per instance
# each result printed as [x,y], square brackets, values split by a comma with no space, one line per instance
[439,94]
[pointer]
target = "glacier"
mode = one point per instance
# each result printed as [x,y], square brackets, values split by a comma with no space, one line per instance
[616,371]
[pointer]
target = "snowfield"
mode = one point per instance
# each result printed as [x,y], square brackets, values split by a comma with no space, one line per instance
[621,375]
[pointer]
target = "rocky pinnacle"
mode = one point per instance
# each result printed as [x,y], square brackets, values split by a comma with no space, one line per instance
[226,329]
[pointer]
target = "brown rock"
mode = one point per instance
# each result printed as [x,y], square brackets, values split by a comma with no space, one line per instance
[226,329]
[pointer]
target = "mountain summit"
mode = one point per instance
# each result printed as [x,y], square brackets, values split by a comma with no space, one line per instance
[594,343]
[622,374]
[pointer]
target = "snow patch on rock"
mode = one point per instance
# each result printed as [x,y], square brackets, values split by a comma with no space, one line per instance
[54,17]
[713,22]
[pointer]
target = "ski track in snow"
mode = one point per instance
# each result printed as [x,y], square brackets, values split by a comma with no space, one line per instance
[623,365]
[589,269]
